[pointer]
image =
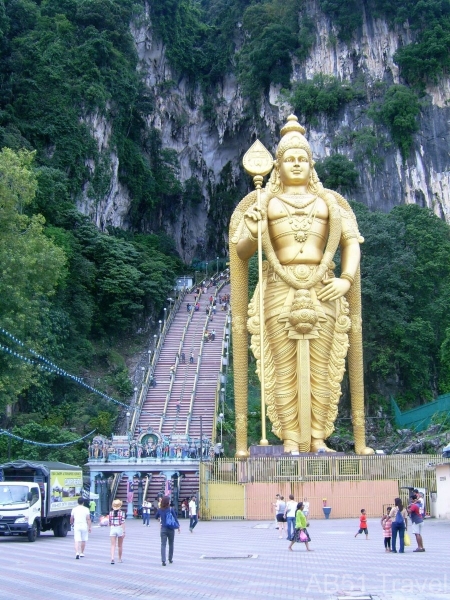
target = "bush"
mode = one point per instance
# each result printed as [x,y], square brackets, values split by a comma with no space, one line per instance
[345,14]
[398,111]
[429,58]
[324,94]
[338,173]
[366,143]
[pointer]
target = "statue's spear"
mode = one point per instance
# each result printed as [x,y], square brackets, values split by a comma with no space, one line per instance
[258,162]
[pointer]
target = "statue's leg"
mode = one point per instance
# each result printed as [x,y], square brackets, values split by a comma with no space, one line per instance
[284,353]
[320,352]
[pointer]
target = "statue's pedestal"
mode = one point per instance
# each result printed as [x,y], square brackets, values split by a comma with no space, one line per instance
[278,451]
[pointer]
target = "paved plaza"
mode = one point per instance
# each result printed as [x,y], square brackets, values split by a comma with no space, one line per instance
[230,560]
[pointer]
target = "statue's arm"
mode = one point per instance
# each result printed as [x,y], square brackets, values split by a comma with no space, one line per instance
[350,259]
[248,241]
[246,246]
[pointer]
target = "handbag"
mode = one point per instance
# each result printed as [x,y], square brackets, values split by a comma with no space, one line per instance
[407,539]
[303,536]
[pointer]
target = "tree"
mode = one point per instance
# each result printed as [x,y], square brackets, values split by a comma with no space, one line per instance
[399,111]
[31,268]
[337,172]
[406,291]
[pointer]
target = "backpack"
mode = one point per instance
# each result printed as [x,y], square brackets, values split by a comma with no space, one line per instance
[171,521]
[399,518]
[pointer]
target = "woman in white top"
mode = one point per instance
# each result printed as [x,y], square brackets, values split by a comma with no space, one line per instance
[281,520]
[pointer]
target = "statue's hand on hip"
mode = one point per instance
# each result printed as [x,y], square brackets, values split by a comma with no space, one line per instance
[252,216]
[334,288]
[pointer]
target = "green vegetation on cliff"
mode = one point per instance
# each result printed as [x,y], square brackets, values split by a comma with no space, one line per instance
[78,292]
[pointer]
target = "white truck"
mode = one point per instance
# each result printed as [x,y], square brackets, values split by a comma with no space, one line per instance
[38,496]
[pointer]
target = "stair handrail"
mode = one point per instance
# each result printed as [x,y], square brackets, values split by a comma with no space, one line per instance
[194,385]
[115,485]
[177,359]
[199,359]
[137,403]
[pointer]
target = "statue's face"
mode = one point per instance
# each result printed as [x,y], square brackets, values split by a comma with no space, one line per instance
[295,168]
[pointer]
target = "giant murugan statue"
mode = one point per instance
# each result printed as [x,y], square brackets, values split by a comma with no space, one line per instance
[311,318]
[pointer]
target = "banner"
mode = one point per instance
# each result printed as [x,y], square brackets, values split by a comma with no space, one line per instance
[65,489]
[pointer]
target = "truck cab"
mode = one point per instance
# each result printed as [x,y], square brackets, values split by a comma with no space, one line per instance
[20,508]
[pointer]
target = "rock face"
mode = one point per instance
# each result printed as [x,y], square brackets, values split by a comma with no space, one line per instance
[204,146]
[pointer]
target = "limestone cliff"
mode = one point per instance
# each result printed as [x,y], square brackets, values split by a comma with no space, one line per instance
[204,146]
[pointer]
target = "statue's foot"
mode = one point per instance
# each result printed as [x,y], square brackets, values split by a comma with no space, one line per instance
[365,451]
[290,446]
[318,444]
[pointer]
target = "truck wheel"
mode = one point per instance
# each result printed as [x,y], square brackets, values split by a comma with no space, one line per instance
[32,533]
[61,527]
[64,527]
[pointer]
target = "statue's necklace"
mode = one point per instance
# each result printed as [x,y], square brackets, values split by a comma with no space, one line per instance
[295,200]
[301,226]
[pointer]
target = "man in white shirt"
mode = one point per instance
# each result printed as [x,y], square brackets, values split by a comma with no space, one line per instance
[289,515]
[192,513]
[81,521]
[306,508]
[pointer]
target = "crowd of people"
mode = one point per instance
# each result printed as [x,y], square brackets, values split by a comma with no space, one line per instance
[295,515]
[395,523]
[292,517]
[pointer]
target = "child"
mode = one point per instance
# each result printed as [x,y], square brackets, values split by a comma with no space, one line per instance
[363,524]
[386,524]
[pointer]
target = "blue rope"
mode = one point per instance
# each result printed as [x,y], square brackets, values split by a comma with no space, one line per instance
[51,368]
[61,445]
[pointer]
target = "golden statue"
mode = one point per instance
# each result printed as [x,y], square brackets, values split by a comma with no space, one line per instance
[310,318]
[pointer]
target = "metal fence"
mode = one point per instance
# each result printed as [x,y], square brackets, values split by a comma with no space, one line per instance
[236,489]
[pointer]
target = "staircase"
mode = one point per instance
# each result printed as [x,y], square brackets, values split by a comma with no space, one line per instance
[172,408]
[168,405]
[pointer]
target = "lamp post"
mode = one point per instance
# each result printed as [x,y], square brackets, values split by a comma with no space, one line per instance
[165,315]
[201,438]
[206,268]
[149,357]
[160,323]
[222,398]
[221,417]
[135,393]
[128,421]
[154,341]
[217,265]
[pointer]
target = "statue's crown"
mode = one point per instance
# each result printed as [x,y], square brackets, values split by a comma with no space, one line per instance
[292,137]
[292,125]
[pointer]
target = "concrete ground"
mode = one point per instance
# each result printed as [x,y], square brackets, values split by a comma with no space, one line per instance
[230,560]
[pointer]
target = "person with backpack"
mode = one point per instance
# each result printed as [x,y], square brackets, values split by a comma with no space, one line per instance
[169,522]
[398,516]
